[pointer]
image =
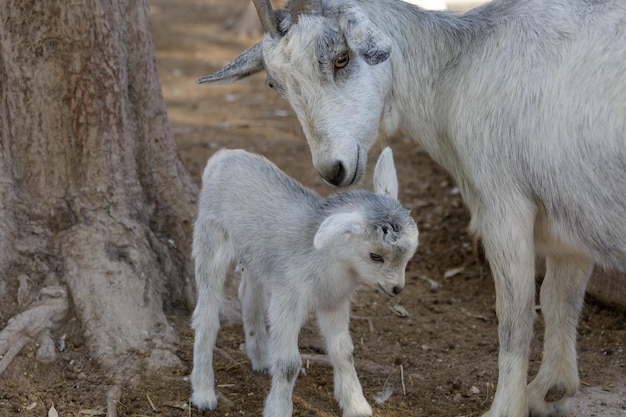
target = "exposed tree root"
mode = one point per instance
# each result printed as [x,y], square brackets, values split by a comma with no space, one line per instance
[34,325]
[15,348]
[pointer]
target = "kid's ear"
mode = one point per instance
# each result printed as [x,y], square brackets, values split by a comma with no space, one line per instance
[385,177]
[337,227]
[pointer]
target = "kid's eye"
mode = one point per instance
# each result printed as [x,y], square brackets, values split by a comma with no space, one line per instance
[342,60]
[376,257]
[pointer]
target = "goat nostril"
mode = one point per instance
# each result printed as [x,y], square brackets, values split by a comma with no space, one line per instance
[397,290]
[340,174]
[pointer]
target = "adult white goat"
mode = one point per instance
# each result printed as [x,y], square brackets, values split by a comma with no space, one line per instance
[298,253]
[524,102]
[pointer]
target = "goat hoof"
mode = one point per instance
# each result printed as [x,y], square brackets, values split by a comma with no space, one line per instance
[550,402]
[204,401]
[362,409]
[549,408]
[264,369]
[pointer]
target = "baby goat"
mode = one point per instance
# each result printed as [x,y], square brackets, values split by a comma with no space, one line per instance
[297,253]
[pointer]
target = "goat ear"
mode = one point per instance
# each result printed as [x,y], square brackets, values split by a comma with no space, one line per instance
[385,176]
[365,38]
[247,63]
[337,227]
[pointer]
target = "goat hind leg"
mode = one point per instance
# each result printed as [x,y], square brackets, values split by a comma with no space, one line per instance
[212,260]
[562,296]
[206,324]
[253,311]
[286,316]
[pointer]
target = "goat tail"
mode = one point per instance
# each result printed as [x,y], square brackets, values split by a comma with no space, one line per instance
[216,160]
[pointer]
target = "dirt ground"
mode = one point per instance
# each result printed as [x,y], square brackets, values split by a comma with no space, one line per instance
[438,360]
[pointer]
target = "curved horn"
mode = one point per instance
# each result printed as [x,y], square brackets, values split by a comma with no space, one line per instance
[299,7]
[267,15]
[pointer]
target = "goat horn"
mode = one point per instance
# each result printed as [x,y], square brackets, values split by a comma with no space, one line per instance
[267,15]
[299,7]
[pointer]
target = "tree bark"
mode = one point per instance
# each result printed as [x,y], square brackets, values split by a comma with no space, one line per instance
[93,195]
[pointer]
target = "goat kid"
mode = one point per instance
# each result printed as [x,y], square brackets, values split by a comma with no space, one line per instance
[523,102]
[297,253]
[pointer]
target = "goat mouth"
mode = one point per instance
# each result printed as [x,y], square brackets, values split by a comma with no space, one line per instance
[356,167]
[390,294]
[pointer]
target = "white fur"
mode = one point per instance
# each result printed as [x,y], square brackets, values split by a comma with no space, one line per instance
[523,102]
[297,253]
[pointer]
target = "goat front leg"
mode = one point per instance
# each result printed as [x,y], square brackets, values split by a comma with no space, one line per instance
[509,245]
[334,325]
[562,296]
[286,315]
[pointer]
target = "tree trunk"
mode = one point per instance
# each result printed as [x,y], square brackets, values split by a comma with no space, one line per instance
[95,204]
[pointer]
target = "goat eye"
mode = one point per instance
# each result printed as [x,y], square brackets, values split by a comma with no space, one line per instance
[342,60]
[376,257]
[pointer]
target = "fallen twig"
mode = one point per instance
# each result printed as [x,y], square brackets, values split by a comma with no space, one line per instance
[113,397]
[364,365]
[151,403]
